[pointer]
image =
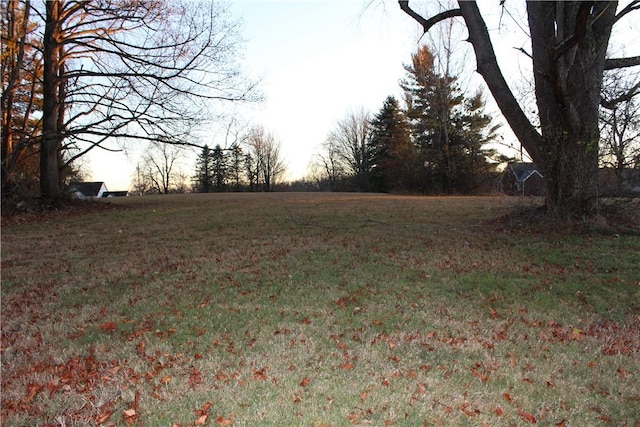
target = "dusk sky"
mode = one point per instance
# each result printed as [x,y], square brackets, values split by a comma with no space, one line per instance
[319,60]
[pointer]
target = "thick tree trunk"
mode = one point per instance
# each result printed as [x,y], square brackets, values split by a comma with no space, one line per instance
[569,42]
[49,148]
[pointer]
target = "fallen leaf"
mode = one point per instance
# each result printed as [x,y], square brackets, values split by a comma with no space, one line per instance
[130,413]
[260,374]
[220,420]
[103,418]
[305,382]
[201,420]
[108,327]
[530,418]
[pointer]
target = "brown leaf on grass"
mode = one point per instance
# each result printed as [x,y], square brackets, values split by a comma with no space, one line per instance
[530,418]
[33,389]
[305,382]
[222,421]
[493,313]
[622,373]
[103,417]
[129,413]
[260,374]
[140,348]
[108,327]
[204,410]
[202,419]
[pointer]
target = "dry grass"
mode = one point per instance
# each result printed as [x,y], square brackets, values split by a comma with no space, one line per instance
[316,309]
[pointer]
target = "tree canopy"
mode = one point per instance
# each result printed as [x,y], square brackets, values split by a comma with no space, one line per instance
[117,70]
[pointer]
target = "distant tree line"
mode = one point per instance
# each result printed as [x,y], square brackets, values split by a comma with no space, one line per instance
[254,165]
[434,144]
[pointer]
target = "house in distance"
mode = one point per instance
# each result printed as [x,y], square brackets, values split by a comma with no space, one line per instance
[522,179]
[93,190]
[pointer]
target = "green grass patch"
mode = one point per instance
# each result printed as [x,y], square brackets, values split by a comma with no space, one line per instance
[316,309]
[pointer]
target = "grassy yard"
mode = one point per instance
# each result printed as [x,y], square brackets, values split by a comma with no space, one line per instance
[316,309]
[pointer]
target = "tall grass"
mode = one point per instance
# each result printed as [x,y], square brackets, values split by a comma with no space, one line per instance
[316,309]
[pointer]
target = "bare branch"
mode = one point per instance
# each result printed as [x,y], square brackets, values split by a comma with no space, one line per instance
[610,104]
[613,63]
[428,23]
[634,5]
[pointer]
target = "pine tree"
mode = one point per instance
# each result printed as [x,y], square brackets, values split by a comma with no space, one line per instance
[220,168]
[236,159]
[204,179]
[448,129]
[394,157]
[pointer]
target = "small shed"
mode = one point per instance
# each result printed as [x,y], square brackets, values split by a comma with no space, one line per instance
[88,190]
[522,179]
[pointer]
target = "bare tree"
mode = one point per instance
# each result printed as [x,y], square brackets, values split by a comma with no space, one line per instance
[568,51]
[21,69]
[268,164]
[116,70]
[620,121]
[328,164]
[161,167]
[350,140]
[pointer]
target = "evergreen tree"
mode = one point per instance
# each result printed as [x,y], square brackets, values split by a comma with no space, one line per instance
[448,129]
[220,168]
[236,159]
[394,156]
[204,179]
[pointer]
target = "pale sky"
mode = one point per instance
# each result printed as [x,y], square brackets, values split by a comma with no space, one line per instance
[319,60]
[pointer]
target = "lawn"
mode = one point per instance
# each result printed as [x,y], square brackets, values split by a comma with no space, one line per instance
[316,309]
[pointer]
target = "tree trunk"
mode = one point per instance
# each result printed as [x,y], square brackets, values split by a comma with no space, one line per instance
[569,42]
[49,148]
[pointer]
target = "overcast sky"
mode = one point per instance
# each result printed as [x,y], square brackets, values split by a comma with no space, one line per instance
[318,60]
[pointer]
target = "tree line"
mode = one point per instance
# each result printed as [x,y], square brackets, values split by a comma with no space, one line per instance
[433,143]
[256,164]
